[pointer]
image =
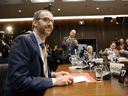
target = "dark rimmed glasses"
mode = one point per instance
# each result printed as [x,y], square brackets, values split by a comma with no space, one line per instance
[47,20]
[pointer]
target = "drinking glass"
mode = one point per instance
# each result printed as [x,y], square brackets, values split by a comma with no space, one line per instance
[99,73]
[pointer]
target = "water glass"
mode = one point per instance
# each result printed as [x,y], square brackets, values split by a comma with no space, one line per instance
[99,73]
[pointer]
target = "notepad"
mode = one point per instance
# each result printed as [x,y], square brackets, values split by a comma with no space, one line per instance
[91,80]
[80,79]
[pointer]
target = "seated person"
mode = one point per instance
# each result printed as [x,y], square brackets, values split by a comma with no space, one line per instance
[89,55]
[121,46]
[111,51]
[126,45]
[100,53]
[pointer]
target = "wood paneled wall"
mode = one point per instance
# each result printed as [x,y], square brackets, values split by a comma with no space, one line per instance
[105,33]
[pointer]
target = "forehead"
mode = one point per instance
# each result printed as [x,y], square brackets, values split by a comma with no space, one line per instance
[46,14]
[113,44]
[73,31]
[90,47]
[121,39]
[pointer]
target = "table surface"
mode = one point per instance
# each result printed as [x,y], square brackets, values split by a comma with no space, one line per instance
[106,88]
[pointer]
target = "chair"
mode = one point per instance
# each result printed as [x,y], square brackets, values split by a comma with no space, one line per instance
[3,72]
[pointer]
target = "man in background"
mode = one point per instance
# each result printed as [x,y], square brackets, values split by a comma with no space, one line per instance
[121,46]
[4,48]
[111,51]
[126,45]
[89,55]
[28,73]
[69,44]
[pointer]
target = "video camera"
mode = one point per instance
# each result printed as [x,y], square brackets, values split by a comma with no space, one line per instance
[8,35]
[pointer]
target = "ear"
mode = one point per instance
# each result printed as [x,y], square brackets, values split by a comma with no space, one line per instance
[35,22]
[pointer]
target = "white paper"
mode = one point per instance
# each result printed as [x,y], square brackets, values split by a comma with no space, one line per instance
[74,67]
[80,79]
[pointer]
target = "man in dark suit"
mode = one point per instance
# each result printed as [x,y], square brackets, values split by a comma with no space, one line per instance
[111,51]
[69,44]
[28,73]
[89,55]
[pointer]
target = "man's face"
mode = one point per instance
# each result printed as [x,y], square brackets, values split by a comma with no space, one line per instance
[90,50]
[127,41]
[72,33]
[113,45]
[43,27]
[121,41]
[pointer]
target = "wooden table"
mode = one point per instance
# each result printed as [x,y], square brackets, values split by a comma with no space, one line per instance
[106,88]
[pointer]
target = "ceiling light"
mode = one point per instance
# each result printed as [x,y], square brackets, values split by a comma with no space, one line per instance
[19,11]
[97,8]
[73,0]
[111,20]
[37,1]
[9,28]
[64,17]
[58,9]
[117,23]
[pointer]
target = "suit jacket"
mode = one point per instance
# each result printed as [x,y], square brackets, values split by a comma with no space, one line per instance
[109,49]
[25,76]
[120,47]
[126,47]
[64,54]
[86,56]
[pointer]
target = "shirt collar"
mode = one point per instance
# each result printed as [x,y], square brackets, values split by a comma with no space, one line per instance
[39,40]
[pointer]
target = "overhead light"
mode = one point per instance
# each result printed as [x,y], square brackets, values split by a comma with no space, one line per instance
[41,1]
[73,0]
[103,0]
[81,22]
[97,8]
[58,9]
[111,20]
[117,23]
[64,17]
[19,11]
[9,28]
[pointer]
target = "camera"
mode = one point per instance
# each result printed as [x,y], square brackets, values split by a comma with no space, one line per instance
[48,7]
[8,35]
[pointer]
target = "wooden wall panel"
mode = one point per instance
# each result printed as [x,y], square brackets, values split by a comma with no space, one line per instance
[111,32]
[92,28]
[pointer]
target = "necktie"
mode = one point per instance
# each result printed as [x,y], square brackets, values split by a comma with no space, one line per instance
[70,48]
[44,53]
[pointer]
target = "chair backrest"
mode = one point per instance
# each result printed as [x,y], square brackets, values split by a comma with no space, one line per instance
[3,72]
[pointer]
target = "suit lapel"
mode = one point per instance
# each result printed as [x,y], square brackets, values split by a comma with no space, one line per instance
[36,44]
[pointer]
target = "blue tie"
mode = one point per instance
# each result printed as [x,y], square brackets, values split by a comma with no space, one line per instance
[70,48]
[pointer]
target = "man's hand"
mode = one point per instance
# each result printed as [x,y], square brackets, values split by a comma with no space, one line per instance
[3,43]
[59,74]
[110,52]
[64,80]
[75,41]
[68,40]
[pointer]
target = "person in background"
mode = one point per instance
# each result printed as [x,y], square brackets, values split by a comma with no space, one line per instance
[126,45]
[89,55]
[100,53]
[4,48]
[111,51]
[69,44]
[56,56]
[121,46]
[28,73]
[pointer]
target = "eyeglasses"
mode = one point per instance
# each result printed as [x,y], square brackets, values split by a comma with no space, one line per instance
[47,20]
